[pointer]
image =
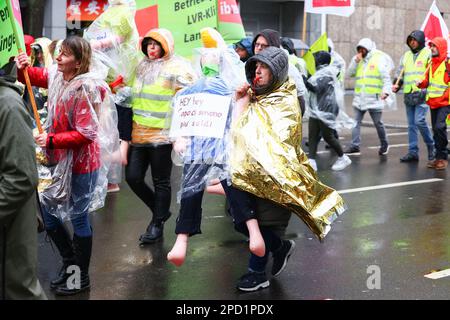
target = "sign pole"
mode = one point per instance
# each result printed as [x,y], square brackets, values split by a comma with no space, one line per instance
[305,17]
[25,71]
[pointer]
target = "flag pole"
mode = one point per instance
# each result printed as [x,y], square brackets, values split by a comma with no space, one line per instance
[305,17]
[25,71]
[33,101]
[400,76]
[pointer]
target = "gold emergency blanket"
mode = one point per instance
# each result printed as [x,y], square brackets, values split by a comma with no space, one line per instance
[267,160]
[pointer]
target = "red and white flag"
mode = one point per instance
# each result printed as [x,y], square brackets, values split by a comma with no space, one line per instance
[337,7]
[434,25]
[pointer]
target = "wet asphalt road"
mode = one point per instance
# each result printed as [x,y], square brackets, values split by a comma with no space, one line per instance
[403,231]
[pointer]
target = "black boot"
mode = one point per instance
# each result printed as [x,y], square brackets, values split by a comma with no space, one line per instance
[82,248]
[155,230]
[61,238]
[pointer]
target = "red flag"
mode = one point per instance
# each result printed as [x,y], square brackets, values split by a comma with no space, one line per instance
[331,3]
[434,25]
[337,7]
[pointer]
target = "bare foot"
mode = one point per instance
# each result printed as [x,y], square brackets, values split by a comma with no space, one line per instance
[257,245]
[113,187]
[178,252]
[124,152]
[215,188]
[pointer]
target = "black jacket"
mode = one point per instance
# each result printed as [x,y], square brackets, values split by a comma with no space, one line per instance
[323,88]
[419,36]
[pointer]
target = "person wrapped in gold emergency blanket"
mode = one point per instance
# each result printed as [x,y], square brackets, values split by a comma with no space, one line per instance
[266,156]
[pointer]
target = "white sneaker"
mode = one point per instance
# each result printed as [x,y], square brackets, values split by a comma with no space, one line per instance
[313,164]
[341,163]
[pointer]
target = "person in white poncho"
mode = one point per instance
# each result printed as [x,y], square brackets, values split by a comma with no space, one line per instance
[373,91]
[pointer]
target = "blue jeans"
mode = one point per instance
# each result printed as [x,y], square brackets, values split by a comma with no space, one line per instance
[416,115]
[83,186]
[379,125]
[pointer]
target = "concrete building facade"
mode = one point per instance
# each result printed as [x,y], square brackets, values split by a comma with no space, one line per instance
[55,24]
[283,16]
[387,22]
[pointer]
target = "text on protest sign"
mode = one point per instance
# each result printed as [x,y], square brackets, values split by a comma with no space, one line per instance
[201,114]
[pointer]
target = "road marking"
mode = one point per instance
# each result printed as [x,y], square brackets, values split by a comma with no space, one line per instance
[353,154]
[390,185]
[391,146]
[438,275]
[319,152]
[397,134]
[213,217]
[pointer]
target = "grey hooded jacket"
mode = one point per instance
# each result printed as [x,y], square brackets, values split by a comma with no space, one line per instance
[277,61]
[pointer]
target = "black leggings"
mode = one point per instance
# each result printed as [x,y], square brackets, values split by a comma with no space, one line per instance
[159,159]
[316,127]
[124,122]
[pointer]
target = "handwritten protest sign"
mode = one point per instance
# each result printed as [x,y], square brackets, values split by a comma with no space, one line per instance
[200,114]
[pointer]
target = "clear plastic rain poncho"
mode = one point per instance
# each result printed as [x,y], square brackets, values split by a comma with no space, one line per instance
[84,105]
[296,76]
[231,67]
[115,42]
[365,101]
[172,74]
[327,99]
[204,156]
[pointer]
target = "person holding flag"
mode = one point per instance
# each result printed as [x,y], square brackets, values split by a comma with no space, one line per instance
[413,65]
[437,83]
[80,136]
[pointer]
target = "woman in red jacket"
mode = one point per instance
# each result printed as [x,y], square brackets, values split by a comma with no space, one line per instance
[72,145]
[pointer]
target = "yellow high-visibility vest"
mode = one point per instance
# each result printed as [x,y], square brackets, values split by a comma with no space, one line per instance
[151,105]
[436,85]
[368,78]
[414,70]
